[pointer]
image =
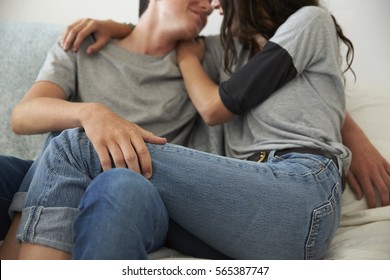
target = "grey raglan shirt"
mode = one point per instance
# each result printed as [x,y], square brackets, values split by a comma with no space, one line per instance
[291,94]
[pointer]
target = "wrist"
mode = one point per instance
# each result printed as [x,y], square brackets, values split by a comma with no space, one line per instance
[120,30]
[187,60]
[87,111]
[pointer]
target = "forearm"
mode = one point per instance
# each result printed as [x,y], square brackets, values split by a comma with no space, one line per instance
[203,92]
[45,109]
[45,114]
[350,131]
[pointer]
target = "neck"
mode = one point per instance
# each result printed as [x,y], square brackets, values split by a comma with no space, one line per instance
[149,37]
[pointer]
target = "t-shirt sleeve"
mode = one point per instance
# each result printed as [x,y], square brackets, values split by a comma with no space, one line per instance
[60,68]
[258,79]
[306,38]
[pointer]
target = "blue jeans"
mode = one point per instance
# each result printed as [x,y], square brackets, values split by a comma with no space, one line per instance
[12,172]
[142,218]
[22,178]
[286,208]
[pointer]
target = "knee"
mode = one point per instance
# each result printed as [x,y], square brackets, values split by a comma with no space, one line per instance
[121,188]
[70,138]
[73,146]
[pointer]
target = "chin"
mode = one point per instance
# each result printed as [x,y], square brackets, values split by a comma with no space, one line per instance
[191,34]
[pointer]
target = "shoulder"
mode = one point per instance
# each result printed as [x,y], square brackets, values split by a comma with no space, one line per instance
[213,44]
[309,16]
[58,53]
[309,20]
[311,12]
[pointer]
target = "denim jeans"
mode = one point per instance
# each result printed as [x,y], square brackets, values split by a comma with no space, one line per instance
[26,171]
[285,208]
[12,172]
[142,222]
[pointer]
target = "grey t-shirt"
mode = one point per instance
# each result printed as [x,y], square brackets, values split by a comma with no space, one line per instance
[146,90]
[306,110]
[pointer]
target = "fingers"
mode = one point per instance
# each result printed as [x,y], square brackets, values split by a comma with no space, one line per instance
[374,186]
[76,33]
[149,137]
[104,156]
[370,194]
[383,186]
[70,33]
[362,185]
[131,153]
[144,159]
[99,44]
[121,143]
[354,185]
[83,32]
[378,188]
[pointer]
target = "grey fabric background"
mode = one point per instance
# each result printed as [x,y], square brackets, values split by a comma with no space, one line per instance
[23,47]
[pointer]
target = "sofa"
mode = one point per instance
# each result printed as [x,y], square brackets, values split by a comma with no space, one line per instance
[363,233]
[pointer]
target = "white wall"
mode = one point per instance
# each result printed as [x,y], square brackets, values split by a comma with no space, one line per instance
[364,21]
[66,11]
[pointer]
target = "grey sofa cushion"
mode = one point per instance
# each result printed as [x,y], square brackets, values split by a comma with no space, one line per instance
[23,47]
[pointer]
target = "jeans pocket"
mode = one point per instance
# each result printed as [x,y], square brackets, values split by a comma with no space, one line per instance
[324,222]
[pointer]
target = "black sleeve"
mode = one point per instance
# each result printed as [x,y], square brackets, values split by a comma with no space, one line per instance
[265,73]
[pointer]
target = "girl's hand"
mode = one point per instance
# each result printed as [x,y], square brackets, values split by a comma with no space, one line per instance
[103,31]
[193,48]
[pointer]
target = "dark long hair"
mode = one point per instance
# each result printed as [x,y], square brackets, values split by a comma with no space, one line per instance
[263,17]
[143,4]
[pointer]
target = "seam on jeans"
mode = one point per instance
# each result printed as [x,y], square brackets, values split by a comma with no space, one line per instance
[31,222]
[81,137]
[60,152]
[317,214]
[48,183]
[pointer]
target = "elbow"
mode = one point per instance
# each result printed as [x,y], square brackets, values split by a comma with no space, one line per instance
[16,129]
[211,118]
[216,114]
[16,122]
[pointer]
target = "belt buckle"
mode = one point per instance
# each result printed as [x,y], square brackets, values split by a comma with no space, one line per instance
[262,156]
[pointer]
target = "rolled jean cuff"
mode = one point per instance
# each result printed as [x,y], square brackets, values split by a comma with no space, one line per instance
[17,203]
[48,226]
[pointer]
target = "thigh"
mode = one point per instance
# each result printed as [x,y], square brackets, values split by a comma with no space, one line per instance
[12,172]
[242,209]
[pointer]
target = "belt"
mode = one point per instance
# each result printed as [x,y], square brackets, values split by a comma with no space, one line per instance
[262,156]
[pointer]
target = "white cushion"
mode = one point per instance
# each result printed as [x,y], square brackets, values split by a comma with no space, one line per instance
[365,233]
